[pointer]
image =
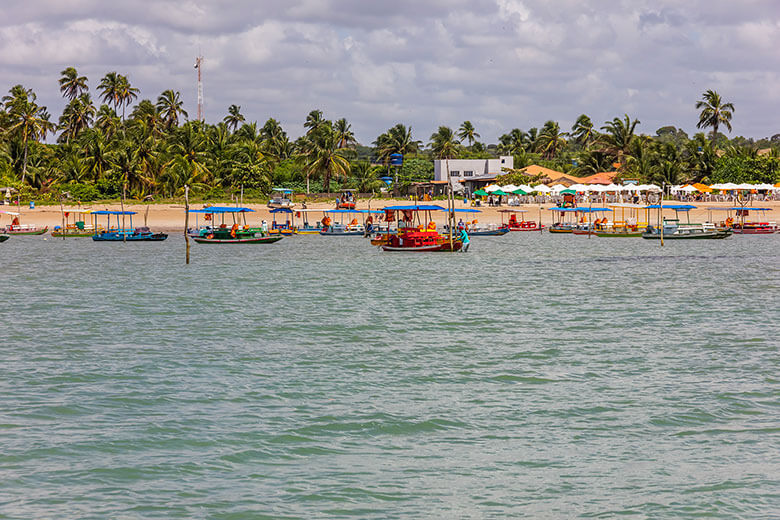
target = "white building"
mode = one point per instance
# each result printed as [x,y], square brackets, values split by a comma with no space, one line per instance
[464,170]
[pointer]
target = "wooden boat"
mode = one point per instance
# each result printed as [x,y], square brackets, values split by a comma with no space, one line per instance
[237,236]
[673,230]
[352,228]
[3,238]
[474,229]
[236,232]
[573,219]
[121,234]
[625,227]
[75,229]
[15,228]
[347,200]
[519,225]
[286,228]
[281,198]
[742,226]
[416,232]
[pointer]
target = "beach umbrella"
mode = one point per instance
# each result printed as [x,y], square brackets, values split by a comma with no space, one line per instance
[481,193]
[542,188]
[729,186]
[519,191]
[578,187]
[499,192]
[492,188]
[525,187]
[612,187]
[688,188]
[557,188]
[745,186]
[568,192]
[509,187]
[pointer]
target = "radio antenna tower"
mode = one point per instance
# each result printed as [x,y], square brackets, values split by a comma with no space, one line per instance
[199,66]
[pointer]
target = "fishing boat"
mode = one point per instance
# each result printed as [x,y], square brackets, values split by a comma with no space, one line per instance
[118,233]
[741,225]
[286,228]
[75,228]
[674,230]
[347,200]
[236,232]
[417,232]
[351,228]
[3,238]
[573,219]
[15,228]
[625,227]
[281,198]
[519,225]
[305,227]
[473,227]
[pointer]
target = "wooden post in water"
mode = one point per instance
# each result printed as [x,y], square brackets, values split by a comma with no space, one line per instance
[146,215]
[187,222]
[62,212]
[661,210]
[124,235]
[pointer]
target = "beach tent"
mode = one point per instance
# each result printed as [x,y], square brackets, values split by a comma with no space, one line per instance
[481,193]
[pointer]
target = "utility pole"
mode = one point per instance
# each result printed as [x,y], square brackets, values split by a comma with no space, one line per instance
[199,66]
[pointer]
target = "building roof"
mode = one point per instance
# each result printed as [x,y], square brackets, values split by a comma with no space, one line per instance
[535,170]
[599,178]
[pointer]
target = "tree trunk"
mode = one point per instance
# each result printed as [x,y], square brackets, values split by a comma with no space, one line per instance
[24,161]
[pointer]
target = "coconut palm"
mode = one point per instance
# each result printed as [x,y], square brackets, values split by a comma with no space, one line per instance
[618,136]
[275,141]
[345,138]
[117,91]
[127,94]
[582,131]
[188,158]
[397,139]
[365,177]
[514,142]
[714,112]
[467,132]
[444,143]
[313,121]
[170,106]
[322,157]
[551,140]
[234,117]
[71,84]
[107,121]
[26,119]
[77,116]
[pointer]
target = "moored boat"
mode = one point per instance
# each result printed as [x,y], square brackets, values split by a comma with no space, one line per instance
[742,226]
[416,232]
[76,228]
[3,238]
[281,198]
[119,233]
[673,230]
[15,228]
[239,231]
[519,225]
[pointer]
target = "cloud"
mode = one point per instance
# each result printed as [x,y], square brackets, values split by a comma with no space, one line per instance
[500,63]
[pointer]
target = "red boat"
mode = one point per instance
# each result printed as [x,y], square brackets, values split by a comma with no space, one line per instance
[744,227]
[521,225]
[421,242]
[347,200]
[416,234]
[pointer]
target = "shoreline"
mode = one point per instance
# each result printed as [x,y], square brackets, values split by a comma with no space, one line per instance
[169,217]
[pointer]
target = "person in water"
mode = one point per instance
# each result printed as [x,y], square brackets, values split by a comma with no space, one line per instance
[464,237]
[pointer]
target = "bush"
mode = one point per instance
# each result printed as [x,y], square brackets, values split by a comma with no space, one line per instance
[81,192]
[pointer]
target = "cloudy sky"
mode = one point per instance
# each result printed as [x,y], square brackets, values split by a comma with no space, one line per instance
[499,63]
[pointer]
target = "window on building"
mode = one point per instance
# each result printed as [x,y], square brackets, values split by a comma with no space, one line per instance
[455,173]
[468,173]
[503,161]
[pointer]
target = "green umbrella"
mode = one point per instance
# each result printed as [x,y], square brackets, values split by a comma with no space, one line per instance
[499,193]
[519,191]
[481,193]
[568,192]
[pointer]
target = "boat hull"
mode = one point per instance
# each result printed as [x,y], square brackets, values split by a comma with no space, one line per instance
[79,234]
[252,240]
[3,238]
[425,249]
[632,234]
[706,235]
[488,233]
[28,232]
[130,237]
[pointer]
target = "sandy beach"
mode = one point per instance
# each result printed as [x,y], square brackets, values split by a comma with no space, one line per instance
[170,217]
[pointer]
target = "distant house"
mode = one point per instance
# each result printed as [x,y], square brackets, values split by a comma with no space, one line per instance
[471,173]
[551,177]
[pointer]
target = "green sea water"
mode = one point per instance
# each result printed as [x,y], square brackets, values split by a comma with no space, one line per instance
[535,376]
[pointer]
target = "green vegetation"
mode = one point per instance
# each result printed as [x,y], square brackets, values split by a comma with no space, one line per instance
[150,148]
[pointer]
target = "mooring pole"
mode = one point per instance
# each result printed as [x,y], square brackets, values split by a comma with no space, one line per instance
[187,222]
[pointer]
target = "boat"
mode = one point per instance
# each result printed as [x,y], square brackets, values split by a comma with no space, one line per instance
[673,230]
[75,229]
[347,200]
[573,221]
[522,225]
[239,232]
[122,234]
[15,228]
[417,232]
[286,228]
[281,198]
[305,227]
[352,228]
[474,229]
[3,238]
[742,226]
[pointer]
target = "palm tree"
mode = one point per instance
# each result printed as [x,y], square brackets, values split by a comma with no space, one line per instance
[514,142]
[147,115]
[107,121]
[26,119]
[444,144]
[71,84]
[365,177]
[275,141]
[127,94]
[170,106]
[397,139]
[551,140]
[582,131]
[188,159]
[234,117]
[313,121]
[321,156]
[619,135]
[117,91]
[467,132]
[344,135]
[77,116]
[714,112]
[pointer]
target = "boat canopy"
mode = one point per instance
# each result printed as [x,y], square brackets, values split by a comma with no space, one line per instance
[746,208]
[354,211]
[417,207]
[283,190]
[580,210]
[467,210]
[627,205]
[106,212]
[676,207]
[221,209]
[281,210]
[513,211]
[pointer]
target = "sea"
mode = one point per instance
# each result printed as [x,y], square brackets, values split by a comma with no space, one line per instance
[535,376]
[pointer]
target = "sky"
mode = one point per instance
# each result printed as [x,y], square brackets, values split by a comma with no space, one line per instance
[500,64]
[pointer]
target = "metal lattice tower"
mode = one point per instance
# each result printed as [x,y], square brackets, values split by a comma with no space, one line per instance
[199,66]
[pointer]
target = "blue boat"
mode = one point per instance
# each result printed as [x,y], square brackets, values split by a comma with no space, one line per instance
[119,234]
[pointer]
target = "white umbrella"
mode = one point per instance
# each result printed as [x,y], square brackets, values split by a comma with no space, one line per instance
[612,187]
[541,188]
[492,188]
[596,188]
[579,187]
[510,188]
[525,187]
[729,186]
[763,187]
[557,188]
[688,188]
[651,187]
[745,186]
